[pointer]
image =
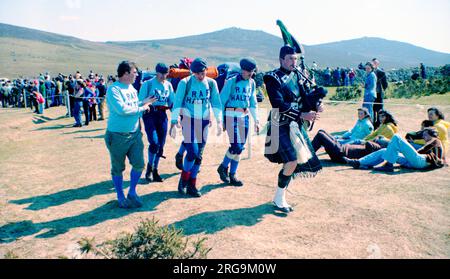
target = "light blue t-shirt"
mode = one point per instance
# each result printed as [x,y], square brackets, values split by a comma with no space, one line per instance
[124,106]
[198,101]
[162,91]
[239,93]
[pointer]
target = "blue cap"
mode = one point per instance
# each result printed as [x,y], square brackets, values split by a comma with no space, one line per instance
[248,64]
[162,68]
[198,65]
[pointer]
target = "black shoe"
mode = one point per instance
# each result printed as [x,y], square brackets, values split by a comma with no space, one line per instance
[234,181]
[223,173]
[179,161]
[148,174]
[192,189]
[156,176]
[352,162]
[283,209]
[386,167]
[182,185]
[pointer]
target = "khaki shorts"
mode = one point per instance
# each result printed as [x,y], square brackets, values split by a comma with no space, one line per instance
[122,145]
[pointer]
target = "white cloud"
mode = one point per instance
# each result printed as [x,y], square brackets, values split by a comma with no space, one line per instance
[73,4]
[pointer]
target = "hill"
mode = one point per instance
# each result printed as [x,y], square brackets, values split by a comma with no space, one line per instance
[25,51]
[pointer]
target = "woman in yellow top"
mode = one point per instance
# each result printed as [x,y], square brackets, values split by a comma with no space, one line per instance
[442,126]
[387,129]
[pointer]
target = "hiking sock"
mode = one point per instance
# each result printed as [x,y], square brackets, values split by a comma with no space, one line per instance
[118,185]
[134,179]
[194,171]
[234,166]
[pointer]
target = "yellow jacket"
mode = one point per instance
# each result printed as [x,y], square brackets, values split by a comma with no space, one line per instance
[385,130]
[442,127]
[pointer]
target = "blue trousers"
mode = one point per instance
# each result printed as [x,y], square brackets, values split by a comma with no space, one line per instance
[237,130]
[195,134]
[77,111]
[155,123]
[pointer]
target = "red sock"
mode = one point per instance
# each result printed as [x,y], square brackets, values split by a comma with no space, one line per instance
[185,175]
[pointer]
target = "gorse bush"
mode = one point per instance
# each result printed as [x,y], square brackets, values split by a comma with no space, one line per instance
[347,93]
[418,88]
[149,241]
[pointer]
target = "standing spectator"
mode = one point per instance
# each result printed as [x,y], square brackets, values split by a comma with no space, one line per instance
[423,72]
[336,77]
[78,101]
[370,93]
[343,73]
[382,85]
[327,74]
[351,76]
[93,103]
[86,104]
[101,87]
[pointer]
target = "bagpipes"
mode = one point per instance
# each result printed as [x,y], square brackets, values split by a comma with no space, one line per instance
[314,94]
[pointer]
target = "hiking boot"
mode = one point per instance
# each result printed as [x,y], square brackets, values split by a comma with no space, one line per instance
[179,161]
[386,167]
[353,163]
[235,182]
[125,204]
[156,176]
[135,201]
[192,189]
[223,173]
[148,173]
[183,183]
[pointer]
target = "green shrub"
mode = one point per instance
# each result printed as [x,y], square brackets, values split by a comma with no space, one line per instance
[347,93]
[419,88]
[149,241]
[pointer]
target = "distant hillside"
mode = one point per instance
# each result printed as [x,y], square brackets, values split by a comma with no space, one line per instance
[27,52]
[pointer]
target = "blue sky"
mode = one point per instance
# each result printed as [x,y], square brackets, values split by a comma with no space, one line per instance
[421,22]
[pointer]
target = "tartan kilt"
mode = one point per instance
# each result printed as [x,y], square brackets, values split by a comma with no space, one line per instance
[284,151]
[307,166]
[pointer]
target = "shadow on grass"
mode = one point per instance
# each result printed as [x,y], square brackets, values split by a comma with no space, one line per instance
[212,222]
[102,136]
[109,211]
[55,127]
[83,131]
[56,199]
[39,119]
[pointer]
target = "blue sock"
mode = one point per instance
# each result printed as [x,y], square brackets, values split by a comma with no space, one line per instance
[226,161]
[187,166]
[182,149]
[156,162]
[151,158]
[118,185]
[234,166]
[135,176]
[194,171]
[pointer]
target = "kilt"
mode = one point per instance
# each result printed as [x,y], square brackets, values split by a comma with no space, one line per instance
[280,149]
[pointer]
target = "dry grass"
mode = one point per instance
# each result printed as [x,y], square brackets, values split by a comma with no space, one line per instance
[56,189]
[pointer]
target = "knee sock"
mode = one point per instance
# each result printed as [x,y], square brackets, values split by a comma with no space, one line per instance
[234,166]
[118,185]
[226,161]
[135,176]
[194,171]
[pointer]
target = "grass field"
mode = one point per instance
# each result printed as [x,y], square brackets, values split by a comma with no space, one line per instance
[56,189]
